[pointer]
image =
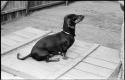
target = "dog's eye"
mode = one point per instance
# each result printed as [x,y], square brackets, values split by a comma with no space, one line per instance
[74,18]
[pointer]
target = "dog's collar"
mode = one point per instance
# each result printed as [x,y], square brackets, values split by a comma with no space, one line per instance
[66,32]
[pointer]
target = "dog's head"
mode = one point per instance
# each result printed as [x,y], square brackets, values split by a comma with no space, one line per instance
[72,19]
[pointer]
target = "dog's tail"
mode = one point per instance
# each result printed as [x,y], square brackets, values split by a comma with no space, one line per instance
[23,57]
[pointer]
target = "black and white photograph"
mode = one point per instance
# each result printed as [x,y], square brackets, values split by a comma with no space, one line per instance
[62,40]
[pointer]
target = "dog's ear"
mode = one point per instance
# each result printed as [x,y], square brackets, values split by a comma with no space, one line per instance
[70,24]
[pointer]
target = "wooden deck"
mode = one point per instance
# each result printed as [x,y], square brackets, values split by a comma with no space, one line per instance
[86,60]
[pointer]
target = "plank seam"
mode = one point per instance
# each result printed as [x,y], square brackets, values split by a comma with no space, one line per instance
[97,65]
[104,60]
[90,73]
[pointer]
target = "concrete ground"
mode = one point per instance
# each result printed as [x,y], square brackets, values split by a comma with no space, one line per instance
[102,22]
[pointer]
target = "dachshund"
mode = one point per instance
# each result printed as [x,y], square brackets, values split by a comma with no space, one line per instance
[56,44]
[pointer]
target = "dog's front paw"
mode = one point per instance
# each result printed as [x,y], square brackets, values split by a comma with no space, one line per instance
[57,60]
[65,58]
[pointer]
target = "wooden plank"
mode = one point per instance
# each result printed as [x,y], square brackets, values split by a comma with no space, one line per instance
[25,34]
[28,33]
[78,74]
[15,37]
[12,44]
[8,42]
[9,70]
[96,70]
[40,69]
[4,47]
[107,54]
[101,63]
[5,75]
[81,49]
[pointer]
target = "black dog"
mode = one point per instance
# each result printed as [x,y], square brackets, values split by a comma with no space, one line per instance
[57,43]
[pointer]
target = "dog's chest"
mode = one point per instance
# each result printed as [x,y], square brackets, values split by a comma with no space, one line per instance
[66,43]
